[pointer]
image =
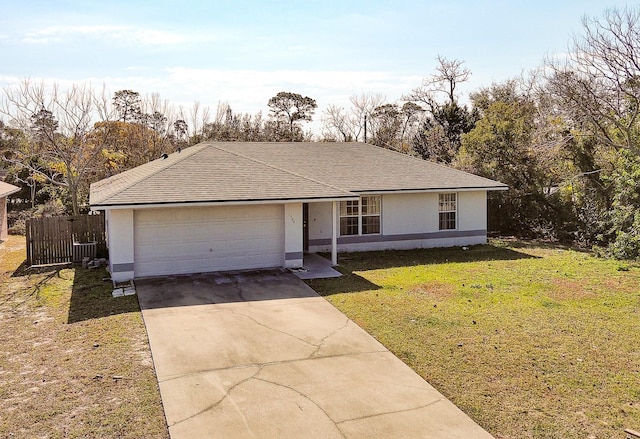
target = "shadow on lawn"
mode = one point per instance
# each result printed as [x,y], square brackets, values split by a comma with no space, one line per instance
[91,297]
[37,279]
[351,263]
[409,258]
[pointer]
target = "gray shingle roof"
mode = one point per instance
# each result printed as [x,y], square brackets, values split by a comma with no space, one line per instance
[262,171]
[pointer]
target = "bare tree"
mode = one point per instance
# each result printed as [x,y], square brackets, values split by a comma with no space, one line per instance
[59,124]
[449,74]
[598,83]
[348,125]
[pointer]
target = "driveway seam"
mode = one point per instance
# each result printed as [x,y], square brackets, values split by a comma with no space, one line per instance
[268,363]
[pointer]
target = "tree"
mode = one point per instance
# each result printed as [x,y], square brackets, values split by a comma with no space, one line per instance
[598,84]
[59,127]
[440,135]
[128,105]
[392,123]
[500,147]
[449,75]
[595,90]
[355,123]
[292,108]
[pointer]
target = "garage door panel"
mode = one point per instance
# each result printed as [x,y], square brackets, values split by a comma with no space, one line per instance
[191,240]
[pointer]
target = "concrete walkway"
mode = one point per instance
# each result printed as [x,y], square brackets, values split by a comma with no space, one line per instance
[315,267]
[261,355]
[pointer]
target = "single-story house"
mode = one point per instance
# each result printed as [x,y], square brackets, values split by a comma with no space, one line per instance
[220,206]
[6,189]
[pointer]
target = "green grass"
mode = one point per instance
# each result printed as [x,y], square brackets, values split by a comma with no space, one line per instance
[530,340]
[64,339]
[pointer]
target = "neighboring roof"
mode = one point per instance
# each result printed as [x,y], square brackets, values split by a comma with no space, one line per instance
[264,171]
[7,189]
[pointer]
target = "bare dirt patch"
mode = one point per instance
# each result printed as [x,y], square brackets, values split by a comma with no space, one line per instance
[567,289]
[74,361]
[434,290]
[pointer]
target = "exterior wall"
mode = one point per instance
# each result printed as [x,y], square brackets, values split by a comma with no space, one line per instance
[320,226]
[293,235]
[407,221]
[472,210]
[3,218]
[120,242]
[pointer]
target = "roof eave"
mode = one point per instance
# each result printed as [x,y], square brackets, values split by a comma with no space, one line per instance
[11,192]
[168,204]
[438,189]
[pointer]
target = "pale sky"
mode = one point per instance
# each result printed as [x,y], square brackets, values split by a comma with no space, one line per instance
[244,52]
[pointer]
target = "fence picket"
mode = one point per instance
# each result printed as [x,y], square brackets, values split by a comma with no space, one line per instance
[50,239]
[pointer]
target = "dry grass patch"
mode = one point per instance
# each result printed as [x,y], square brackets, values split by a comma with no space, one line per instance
[74,361]
[532,341]
[434,290]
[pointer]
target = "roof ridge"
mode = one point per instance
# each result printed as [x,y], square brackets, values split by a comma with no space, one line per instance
[253,159]
[135,181]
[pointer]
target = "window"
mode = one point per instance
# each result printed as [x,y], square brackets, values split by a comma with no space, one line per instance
[360,217]
[370,215]
[447,207]
[349,217]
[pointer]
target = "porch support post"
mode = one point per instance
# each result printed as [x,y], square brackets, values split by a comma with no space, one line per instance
[334,235]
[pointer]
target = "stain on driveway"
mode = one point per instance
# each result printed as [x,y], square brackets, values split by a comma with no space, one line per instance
[261,355]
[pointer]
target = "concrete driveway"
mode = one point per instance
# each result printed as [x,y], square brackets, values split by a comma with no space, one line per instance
[261,355]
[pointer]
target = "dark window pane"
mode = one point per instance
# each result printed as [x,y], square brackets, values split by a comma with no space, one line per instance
[349,226]
[447,220]
[370,224]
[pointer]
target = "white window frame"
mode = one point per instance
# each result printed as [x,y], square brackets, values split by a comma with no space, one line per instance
[360,216]
[447,209]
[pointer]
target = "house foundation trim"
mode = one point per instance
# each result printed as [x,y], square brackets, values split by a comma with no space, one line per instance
[388,238]
[117,268]
[290,256]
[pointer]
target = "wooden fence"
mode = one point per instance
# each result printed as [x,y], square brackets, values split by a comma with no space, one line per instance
[50,240]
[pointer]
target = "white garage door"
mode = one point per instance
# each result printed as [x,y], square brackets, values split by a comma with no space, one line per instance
[203,239]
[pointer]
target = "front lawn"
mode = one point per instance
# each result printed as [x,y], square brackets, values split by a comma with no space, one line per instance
[532,341]
[74,361]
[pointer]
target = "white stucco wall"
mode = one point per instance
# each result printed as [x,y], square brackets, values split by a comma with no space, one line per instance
[409,213]
[472,210]
[120,242]
[408,221]
[320,225]
[293,235]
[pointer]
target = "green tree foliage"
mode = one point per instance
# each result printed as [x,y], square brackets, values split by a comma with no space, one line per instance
[624,216]
[501,147]
[440,136]
[596,92]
